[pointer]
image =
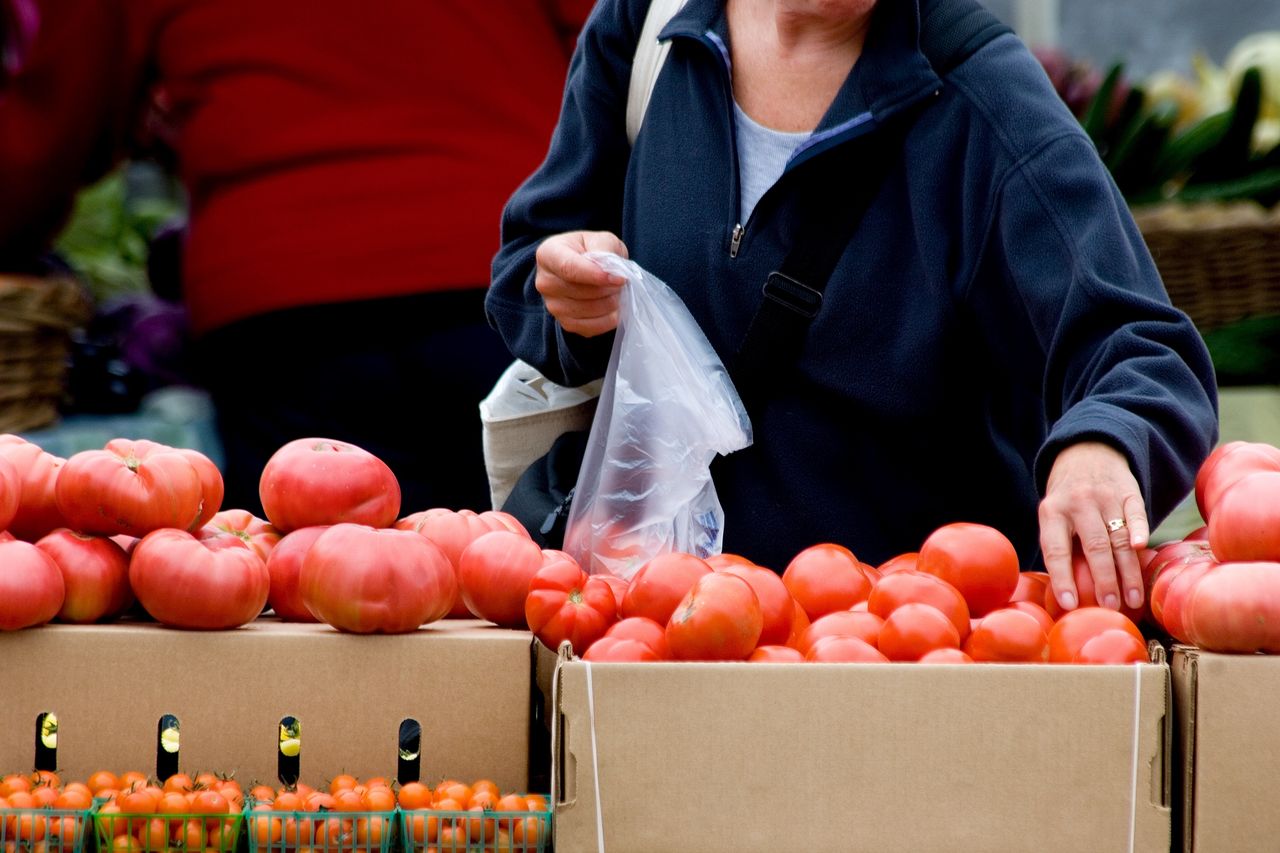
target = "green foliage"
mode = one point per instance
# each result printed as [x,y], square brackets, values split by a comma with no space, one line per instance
[106,238]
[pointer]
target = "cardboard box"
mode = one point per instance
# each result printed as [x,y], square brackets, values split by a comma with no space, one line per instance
[898,757]
[467,684]
[1228,749]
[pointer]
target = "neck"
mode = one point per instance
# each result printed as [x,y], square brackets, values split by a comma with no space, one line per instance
[815,28]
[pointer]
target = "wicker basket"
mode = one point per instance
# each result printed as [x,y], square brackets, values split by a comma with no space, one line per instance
[1220,262]
[36,319]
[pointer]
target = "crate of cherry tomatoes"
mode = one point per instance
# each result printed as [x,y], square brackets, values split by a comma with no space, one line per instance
[455,817]
[349,816]
[39,814]
[137,814]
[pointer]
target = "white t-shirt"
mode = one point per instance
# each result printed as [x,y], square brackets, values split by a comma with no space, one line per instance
[762,156]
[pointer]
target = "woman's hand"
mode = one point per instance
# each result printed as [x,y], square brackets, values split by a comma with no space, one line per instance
[580,295]
[1092,495]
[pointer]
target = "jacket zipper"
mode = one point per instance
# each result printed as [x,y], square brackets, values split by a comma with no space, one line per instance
[735,240]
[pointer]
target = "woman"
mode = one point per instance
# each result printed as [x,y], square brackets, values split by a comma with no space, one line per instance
[994,345]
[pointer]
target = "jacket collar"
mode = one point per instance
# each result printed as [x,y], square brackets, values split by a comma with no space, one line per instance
[891,74]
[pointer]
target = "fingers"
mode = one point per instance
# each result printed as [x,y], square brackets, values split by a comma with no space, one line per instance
[1098,546]
[1135,516]
[1055,544]
[580,295]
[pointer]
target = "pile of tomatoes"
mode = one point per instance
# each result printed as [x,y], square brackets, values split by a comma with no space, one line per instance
[140,815]
[458,816]
[960,599]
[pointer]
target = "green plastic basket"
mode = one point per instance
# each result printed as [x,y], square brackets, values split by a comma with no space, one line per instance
[164,833]
[50,830]
[270,831]
[444,831]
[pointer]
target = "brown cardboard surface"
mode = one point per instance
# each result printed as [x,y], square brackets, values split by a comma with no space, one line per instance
[743,757]
[468,686]
[1227,726]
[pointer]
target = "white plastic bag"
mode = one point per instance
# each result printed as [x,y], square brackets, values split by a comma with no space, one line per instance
[522,417]
[666,409]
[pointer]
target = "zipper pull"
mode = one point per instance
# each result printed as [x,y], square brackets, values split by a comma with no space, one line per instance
[736,240]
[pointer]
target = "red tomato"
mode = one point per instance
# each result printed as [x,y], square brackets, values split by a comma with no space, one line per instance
[639,628]
[1170,559]
[617,584]
[131,487]
[1035,611]
[719,619]
[1112,646]
[946,656]
[619,650]
[565,603]
[184,584]
[375,581]
[1008,636]
[1236,608]
[31,587]
[284,565]
[453,532]
[1245,526]
[775,654]
[10,492]
[259,535]
[1077,627]
[976,559]
[1227,465]
[660,584]
[776,604]
[1200,534]
[843,623]
[843,650]
[906,562]
[1086,594]
[799,623]
[494,573]
[1179,591]
[901,588]
[95,572]
[316,481]
[1031,587]
[825,578]
[913,630]
[38,471]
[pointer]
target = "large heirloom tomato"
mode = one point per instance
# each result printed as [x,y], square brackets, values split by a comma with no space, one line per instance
[95,571]
[1227,465]
[315,481]
[131,487]
[453,532]
[1236,608]
[31,587]
[494,574]
[284,565]
[185,584]
[978,560]
[565,603]
[366,580]
[38,472]
[1246,521]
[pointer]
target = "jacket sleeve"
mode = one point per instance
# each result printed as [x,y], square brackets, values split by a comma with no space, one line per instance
[58,120]
[578,187]
[1121,364]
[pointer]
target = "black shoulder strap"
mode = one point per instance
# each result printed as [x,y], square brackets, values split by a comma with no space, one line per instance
[822,225]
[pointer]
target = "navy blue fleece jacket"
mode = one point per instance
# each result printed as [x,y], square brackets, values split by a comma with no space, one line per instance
[995,304]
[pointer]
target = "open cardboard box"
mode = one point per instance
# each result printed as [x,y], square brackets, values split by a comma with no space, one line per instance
[467,685]
[1228,746]
[899,757]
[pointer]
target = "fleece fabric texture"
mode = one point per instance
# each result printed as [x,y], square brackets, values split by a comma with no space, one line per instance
[995,304]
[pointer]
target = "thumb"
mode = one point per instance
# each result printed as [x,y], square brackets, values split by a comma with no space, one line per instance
[604,241]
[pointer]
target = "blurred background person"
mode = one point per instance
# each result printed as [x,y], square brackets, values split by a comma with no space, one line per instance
[345,169]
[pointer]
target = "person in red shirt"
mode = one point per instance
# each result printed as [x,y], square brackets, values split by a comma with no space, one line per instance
[346,167]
